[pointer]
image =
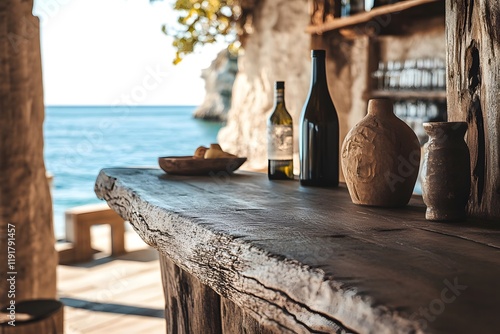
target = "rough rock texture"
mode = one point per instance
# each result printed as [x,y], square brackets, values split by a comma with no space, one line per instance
[277,49]
[219,79]
[27,255]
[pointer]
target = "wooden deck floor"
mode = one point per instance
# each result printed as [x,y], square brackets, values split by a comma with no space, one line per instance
[113,295]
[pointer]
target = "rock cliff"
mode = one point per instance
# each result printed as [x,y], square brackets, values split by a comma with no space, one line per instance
[277,48]
[219,78]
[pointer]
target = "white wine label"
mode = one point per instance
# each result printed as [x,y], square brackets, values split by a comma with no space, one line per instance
[280,142]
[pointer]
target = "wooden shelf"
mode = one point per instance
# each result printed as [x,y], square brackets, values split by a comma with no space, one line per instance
[411,94]
[349,21]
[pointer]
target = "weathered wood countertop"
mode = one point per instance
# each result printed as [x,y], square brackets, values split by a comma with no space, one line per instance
[308,260]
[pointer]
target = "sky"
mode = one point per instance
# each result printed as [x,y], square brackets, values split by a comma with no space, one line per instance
[113,52]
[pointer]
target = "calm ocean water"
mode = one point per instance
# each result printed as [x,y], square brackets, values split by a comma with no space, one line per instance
[80,141]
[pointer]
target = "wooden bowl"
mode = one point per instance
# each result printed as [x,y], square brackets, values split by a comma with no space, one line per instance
[196,166]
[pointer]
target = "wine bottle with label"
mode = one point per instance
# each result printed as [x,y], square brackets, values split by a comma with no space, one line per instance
[319,131]
[280,138]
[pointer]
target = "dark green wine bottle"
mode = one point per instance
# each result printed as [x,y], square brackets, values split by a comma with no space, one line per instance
[280,138]
[319,131]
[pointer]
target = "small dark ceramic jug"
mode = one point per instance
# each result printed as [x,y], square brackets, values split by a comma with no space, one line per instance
[380,158]
[446,171]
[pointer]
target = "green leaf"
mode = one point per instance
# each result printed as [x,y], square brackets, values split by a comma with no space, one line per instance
[202,22]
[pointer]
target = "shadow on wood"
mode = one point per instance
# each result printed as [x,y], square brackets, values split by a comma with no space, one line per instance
[41,316]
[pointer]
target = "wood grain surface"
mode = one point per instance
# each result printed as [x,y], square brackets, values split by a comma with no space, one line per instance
[190,306]
[25,200]
[306,260]
[473,89]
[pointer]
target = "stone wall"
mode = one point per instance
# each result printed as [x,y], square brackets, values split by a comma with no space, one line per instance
[278,48]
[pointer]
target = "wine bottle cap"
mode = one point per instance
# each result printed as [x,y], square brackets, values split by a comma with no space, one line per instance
[280,84]
[318,53]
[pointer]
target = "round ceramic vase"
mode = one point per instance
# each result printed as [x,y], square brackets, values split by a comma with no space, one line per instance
[381,158]
[446,171]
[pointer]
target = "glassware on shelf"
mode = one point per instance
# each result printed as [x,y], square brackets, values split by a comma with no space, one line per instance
[379,75]
[416,112]
[411,74]
[432,111]
[407,77]
[427,70]
[439,74]
[392,75]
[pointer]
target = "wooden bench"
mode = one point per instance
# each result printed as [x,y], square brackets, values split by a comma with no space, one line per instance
[79,220]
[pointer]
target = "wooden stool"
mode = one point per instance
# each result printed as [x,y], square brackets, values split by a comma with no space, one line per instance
[40,316]
[80,219]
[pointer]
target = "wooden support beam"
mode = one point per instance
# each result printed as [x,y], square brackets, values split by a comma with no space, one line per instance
[473,39]
[190,306]
[25,202]
[235,320]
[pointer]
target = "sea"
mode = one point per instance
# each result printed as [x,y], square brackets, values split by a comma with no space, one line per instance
[80,140]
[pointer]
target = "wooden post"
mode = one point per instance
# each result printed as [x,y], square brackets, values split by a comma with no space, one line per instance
[193,307]
[473,39]
[190,306]
[25,202]
[235,320]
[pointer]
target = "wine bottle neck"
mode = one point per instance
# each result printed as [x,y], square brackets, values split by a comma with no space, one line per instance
[318,73]
[279,96]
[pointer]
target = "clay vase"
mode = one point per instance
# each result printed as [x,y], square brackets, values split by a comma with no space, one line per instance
[381,158]
[446,171]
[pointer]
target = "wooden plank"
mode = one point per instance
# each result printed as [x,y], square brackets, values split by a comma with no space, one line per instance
[90,315]
[190,306]
[411,94]
[474,94]
[130,324]
[107,278]
[128,285]
[309,260]
[365,17]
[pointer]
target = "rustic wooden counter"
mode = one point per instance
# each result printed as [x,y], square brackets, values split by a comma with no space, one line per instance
[302,260]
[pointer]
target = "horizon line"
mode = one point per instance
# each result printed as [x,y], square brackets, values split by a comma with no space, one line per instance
[117,105]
